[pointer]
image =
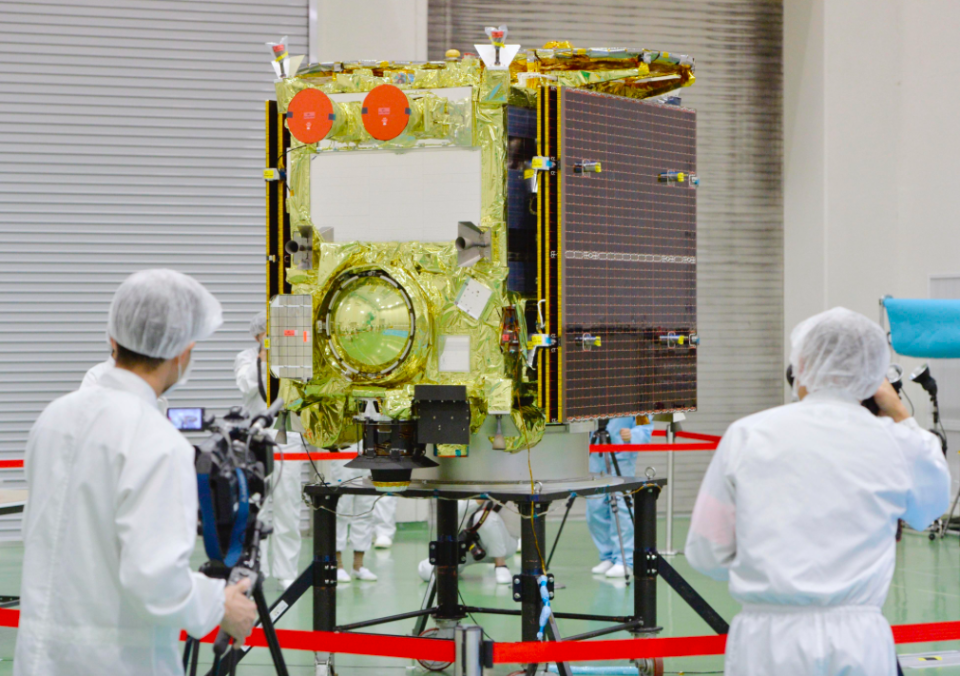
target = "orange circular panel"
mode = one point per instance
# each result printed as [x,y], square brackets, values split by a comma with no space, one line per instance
[310,116]
[386,111]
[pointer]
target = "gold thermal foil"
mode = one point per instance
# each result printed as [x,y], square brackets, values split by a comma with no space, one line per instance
[524,97]
[428,273]
[531,423]
[298,181]
[585,78]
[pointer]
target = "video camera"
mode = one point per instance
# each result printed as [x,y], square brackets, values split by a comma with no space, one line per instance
[232,465]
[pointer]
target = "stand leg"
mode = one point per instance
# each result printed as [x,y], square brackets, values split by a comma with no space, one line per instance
[563,523]
[532,534]
[645,557]
[627,500]
[428,600]
[447,566]
[269,631]
[195,660]
[325,573]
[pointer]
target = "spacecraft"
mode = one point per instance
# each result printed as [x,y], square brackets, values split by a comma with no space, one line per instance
[472,260]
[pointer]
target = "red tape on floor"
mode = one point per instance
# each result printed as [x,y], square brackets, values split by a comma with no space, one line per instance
[442,650]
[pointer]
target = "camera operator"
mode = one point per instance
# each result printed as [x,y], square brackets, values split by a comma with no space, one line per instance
[799,508]
[112,518]
[613,533]
[281,551]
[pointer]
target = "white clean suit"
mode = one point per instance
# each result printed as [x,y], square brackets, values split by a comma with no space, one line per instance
[281,550]
[799,510]
[108,533]
[355,521]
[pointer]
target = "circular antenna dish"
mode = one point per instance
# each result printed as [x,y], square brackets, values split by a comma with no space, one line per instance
[310,116]
[385,112]
[370,324]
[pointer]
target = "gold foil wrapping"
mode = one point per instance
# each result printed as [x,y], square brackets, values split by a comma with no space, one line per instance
[497,380]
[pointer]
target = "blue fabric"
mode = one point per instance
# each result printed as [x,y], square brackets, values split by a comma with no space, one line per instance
[211,540]
[600,521]
[924,328]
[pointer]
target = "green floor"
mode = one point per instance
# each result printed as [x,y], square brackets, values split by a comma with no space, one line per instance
[926,588]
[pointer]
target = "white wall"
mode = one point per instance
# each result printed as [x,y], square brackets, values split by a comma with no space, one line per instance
[870,129]
[369,29]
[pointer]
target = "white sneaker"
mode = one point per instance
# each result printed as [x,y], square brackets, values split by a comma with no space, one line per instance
[383,542]
[504,576]
[364,574]
[285,584]
[343,576]
[425,569]
[602,567]
[618,571]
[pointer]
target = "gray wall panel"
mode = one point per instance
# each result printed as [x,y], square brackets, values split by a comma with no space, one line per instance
[131,136]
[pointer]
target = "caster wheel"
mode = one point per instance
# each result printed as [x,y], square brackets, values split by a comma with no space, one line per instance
[651,667]
[932,536]
[431,665]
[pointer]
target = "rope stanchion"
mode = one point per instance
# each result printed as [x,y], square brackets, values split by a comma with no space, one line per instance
[442,650]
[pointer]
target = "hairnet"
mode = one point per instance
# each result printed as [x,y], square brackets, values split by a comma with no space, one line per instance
[258,324]
[158,313]
[842,350]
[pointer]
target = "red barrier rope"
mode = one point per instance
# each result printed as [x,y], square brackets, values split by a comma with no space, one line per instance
[314,456]
[708,442]
[442,650]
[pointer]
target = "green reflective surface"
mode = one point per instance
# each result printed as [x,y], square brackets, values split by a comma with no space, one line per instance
[370,324]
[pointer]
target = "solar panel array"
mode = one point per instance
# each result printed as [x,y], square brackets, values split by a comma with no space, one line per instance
[628,257]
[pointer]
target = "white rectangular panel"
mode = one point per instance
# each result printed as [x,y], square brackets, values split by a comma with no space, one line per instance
[387,196]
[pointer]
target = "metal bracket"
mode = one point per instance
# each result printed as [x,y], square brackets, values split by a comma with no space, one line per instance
[448,553]
[527,587]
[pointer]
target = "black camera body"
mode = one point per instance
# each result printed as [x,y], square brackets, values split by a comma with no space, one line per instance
[894,375]
[235,463]
[232,465]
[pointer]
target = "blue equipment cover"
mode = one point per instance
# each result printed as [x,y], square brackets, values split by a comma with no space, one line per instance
[924,328]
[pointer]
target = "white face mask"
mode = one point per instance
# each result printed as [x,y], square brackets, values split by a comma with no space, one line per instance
[183,376]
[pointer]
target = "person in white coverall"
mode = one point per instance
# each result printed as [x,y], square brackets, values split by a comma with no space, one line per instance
[799,509]
[354,522]
[112,517]
[280,553]
[94,373]
[385,521]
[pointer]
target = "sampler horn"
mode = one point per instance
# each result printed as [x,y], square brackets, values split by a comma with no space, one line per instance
[472,244]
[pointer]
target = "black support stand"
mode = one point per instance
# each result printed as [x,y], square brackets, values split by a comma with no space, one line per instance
[447,553]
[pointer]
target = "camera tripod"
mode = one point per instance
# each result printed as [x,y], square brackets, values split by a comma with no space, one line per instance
[225,659]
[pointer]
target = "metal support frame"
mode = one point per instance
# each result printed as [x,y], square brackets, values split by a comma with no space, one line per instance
[645,557]
[449,555]
[321,575]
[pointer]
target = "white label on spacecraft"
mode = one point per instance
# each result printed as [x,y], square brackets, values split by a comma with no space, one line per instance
[473,298]
[455,354]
